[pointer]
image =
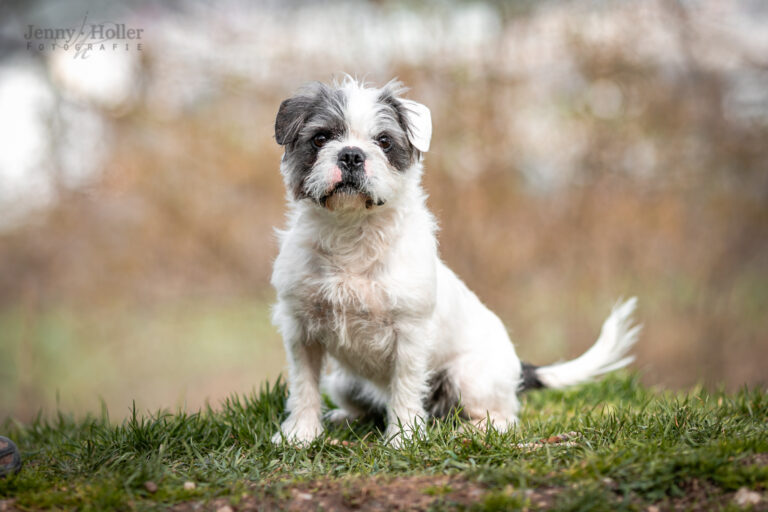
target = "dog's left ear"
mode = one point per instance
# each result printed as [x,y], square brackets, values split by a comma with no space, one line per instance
[420,124]
[290,118]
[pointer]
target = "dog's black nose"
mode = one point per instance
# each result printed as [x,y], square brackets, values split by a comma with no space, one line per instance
[351,159]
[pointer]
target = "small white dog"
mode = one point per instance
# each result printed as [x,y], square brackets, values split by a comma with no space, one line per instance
[359,279]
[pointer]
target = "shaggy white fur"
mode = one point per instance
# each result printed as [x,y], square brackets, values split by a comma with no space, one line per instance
[361,280]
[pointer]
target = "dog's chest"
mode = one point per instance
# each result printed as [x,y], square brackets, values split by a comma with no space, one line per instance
[353,314]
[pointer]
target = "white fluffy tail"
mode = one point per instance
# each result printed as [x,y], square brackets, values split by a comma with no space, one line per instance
[607,354]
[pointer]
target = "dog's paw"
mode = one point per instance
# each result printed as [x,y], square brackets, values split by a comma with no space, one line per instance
[298,432]
[396,435]
[498,422]
[396,439]
[340,416]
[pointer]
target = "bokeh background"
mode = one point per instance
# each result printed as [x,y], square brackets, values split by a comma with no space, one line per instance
[582,151]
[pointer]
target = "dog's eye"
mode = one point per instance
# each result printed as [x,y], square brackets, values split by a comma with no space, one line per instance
[384,142]
[320,140]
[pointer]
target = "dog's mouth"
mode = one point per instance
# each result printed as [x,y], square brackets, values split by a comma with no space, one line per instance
[346,194]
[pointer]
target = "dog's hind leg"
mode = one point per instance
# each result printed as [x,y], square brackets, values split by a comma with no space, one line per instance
[354,397]
[488,389]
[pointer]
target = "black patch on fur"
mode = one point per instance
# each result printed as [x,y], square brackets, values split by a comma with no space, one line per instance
[443,396]
[317,105]
[530,380]
[441,402]
[402,154]
[315,99]
[356,397]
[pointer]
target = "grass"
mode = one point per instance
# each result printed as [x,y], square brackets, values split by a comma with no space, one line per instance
[636,446]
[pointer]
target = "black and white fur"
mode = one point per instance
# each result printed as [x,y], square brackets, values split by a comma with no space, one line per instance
[360,284]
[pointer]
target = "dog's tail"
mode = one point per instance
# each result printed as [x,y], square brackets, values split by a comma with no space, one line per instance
[609,353]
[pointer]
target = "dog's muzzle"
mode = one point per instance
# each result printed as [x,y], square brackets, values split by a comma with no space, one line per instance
[351,162]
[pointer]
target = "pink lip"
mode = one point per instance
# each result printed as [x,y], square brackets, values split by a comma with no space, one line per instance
[335,176]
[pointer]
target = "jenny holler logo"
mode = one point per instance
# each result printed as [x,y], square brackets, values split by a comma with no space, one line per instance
[87,38]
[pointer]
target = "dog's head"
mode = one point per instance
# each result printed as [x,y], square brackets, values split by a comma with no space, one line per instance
[348,146]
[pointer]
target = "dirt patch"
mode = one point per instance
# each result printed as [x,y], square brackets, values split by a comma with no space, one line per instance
[413,493]
[758,459]
[703,496]
[421,493]
[7,505]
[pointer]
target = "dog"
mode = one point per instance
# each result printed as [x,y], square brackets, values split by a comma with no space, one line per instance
[360,283]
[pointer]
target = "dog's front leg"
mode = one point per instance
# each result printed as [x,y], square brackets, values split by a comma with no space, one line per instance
[408,385]
[304,402]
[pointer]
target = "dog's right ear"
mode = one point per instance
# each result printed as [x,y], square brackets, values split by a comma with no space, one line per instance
[291,116]
[420,124]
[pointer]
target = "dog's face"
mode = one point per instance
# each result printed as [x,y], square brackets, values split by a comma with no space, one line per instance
[350,147]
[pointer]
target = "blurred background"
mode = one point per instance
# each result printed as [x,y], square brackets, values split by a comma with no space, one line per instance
[582,152]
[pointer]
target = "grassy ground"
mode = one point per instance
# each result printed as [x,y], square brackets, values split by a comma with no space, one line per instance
[630,448]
